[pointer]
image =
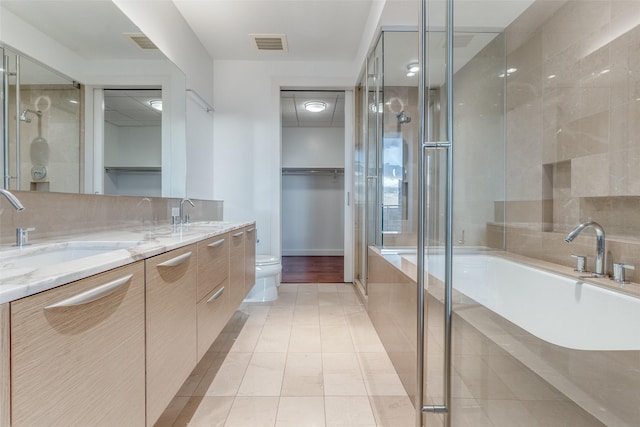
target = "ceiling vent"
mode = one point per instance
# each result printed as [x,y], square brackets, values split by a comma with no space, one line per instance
[141,40]
[269,42]
[460,41]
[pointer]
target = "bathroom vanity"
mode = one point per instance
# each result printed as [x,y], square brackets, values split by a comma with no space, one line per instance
[109,339]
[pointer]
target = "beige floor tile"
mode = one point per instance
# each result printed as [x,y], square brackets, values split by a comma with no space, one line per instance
[345,287]
[172,412]
[301,412]
[282,314]
[274,338]
[285,299]
[287,288]
[264,375]
[380,378]
[468,413]
[349,411]
[336,338]
[307,297]
[392,411]
[191,383]
[328,287]
[226,380]
[306,315]
[247,339]
[254,411]
[303,375]
[507,413]
[205,412]
[329,298]
[342,376]
[305,338]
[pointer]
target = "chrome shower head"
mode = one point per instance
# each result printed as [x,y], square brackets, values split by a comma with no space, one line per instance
[403,118]
[24,118]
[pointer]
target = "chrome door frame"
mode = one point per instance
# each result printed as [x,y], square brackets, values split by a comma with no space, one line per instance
[423,214]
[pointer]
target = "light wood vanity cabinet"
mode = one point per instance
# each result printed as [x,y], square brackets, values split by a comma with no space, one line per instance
[77,353]
[250,258]
[112,349]
[171,325]
[213,309]
[237,267]
[213,263]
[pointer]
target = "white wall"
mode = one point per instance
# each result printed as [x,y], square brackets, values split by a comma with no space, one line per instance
[161,21]
[132,146]
[247,135]
[247,163]
[313,205]
[313,147]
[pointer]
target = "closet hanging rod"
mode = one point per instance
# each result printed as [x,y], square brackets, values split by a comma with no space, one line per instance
[208,108]
[312,171]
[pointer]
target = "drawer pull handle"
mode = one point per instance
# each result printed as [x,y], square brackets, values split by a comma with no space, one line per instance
[251,230]
[238,234]
[176,261]
[216,244]
[92,294]
[216,295]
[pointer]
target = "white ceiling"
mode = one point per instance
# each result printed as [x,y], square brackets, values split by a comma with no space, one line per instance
[316,30]
[295,115]
[131,107]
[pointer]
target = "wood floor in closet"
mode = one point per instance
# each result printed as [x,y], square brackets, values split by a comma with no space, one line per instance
[312,269]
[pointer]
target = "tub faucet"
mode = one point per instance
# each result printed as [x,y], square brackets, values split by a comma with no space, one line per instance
[599,243]
[12,199]
[184,219]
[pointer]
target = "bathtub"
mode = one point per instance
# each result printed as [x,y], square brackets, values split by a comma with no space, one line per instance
[558,309]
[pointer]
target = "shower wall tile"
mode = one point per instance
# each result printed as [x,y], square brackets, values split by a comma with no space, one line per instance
[590,176]
[573,127]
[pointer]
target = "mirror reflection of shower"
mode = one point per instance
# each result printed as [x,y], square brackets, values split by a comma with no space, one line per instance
[24,118]
[403,118]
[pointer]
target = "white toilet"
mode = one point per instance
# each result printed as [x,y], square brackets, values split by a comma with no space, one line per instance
[268,274]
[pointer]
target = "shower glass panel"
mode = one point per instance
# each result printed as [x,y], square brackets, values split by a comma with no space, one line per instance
[42,149]
[399,143]
[375,106]
[521,180]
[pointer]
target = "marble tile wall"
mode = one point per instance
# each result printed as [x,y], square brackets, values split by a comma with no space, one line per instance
[60,214]
[573,133]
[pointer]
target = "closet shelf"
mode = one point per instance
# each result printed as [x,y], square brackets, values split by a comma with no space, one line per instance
[313,171]
[132,169]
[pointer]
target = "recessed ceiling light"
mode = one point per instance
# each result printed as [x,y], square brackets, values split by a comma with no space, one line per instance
[411,74]
[315,106]
[413,67]
[156,104]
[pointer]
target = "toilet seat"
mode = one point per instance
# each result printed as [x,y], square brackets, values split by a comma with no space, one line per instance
[262,260]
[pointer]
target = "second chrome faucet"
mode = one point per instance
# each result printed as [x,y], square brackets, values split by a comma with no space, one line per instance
[599,243]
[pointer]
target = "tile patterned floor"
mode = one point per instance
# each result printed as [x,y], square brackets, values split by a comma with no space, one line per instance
[311,358]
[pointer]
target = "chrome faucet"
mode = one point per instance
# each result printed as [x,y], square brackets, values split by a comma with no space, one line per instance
[184,219]
[12,199]
[599,243]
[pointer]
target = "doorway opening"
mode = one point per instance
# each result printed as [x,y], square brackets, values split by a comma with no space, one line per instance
[313,186]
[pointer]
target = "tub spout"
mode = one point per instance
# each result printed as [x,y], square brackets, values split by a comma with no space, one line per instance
[599,243]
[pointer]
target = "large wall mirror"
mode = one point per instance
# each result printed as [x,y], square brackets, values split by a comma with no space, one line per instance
[89,104]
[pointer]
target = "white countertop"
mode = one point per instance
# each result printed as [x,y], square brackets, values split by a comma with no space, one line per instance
[145,242]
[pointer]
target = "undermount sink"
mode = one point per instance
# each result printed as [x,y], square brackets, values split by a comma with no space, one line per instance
[22,260]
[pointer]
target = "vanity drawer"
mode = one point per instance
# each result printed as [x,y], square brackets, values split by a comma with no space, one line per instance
[250,257]
[237,268]
[213,264]
[78,353]
[171,326]
[212,314]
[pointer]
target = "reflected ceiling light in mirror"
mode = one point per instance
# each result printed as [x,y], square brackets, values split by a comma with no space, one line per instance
[315,106]
[509,72]
[412,68]
[156,104]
